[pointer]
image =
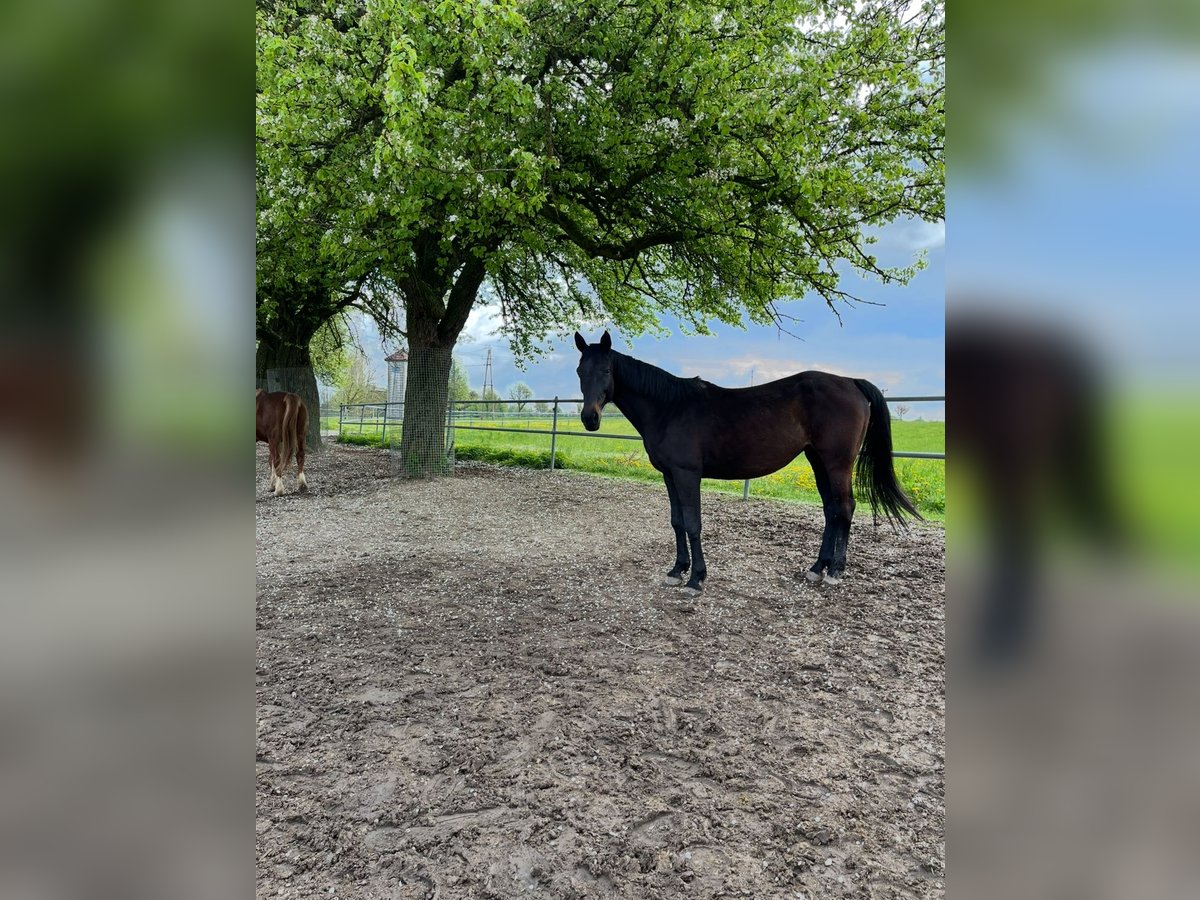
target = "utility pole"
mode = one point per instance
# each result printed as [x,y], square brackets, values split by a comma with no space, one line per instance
[488,388]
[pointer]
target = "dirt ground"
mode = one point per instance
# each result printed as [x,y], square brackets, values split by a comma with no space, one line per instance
[478,687]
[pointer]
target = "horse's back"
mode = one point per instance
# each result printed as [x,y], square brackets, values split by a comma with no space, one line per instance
[801,394]
[753,431]
[270,410]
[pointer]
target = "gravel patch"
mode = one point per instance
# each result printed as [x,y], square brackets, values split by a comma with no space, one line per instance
[478,687]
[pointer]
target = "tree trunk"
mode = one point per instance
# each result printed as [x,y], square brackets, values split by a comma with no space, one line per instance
[423,441]
[435,314]
[287,366]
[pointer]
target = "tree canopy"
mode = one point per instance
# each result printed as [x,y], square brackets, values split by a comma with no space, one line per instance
[330,349]
[521,393]
[353,380]
[581,160]
[460,384]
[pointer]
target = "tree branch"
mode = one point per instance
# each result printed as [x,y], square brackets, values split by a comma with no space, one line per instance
[606,250]
[462,298]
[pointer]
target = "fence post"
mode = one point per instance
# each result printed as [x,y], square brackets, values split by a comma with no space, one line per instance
[746,489]
[553,434]
[341,413]
[362,411]
[449,440]
[383,436]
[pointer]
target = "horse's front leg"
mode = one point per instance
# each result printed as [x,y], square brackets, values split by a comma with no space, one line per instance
[675,576]
[687,488]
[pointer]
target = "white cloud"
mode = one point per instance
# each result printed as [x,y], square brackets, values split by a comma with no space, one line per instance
[739,371]
[909,236]
[898,364]
[483,324]
[928,235]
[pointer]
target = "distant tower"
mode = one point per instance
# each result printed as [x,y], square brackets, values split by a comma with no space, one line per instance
[489,389]
[397,382]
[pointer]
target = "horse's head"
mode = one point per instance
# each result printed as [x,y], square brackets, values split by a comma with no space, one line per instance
[595,378]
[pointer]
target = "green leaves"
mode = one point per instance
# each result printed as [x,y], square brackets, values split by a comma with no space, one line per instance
[606,159]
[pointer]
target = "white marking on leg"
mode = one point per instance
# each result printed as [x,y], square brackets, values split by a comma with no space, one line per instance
[812,576]
[829,580]
[691,592]
[302,483]
[278,484]
[672,581]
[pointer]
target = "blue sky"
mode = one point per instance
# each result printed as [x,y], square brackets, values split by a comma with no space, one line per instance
[1090,224]
[899,345]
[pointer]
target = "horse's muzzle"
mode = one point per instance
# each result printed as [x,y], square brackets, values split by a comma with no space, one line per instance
[590,419]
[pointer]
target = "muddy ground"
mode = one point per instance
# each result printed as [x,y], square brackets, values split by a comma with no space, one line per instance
[478,687]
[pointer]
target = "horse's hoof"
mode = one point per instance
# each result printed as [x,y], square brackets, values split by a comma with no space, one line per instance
[812,576]
[302,483]
[672,581]
[831,580]
[690,591]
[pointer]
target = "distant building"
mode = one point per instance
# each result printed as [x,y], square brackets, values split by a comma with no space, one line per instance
[397,381]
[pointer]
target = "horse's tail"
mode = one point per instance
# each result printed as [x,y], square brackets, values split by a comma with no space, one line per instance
[874,471]
[292,405]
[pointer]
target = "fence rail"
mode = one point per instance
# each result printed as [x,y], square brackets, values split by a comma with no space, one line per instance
[392,414]
[383,414]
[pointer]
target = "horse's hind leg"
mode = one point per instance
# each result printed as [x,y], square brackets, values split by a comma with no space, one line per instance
[841,484]
[300,433]
[276,479]
[675,576]
[301,481]
[825,556]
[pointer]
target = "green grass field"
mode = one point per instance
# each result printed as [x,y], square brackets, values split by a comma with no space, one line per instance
[923,479]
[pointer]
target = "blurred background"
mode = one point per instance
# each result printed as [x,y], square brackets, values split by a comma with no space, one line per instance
[126,275]
[1073,685]
[126,271]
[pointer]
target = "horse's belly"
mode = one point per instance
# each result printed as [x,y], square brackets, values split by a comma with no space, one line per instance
[753,464]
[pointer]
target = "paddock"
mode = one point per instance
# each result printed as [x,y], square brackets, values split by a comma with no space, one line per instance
[477,686]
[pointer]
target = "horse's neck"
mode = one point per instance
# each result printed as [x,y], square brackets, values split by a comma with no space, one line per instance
[638,406]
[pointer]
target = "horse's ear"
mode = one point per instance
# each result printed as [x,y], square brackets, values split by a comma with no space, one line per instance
[606,341]
[580,342]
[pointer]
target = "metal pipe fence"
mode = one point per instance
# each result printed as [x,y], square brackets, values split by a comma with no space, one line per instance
[498,416]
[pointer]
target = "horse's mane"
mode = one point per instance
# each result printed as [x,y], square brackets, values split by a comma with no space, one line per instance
[651,381]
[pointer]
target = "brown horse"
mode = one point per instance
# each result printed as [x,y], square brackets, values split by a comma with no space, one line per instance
[693,430]
[281,420]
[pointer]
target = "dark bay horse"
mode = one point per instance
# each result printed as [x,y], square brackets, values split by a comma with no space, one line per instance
[1029,424]
[693,430]
[281,420]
